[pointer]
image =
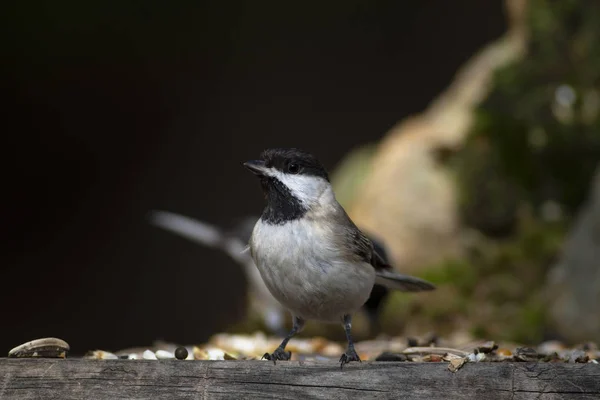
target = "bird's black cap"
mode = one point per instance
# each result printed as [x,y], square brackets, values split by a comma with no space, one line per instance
[295,161]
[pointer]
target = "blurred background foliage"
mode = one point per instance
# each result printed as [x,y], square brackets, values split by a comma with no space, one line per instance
[538,129]
[523,173]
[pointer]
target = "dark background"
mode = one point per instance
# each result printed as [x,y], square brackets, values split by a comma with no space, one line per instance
[113,109]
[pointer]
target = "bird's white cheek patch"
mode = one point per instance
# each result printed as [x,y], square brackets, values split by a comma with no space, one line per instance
[307,189]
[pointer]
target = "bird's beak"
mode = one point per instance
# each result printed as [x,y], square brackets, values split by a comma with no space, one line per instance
[257,167]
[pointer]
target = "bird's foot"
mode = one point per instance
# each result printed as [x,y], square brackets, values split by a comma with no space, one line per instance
[349,355]
[278,354]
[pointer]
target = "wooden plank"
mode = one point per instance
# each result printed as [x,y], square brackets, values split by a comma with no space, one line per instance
[173,379]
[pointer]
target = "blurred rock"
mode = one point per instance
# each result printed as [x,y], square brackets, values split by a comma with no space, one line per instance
[524,172]
[480,190]
[350,174]
[409,198]
[574,283]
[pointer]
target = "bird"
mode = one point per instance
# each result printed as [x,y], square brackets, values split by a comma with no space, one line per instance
[311,256]
[233,242]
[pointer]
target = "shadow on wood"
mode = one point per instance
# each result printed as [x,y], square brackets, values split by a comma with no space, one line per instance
[172,379]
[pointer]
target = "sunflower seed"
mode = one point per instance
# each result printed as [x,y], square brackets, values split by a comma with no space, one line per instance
[45,348]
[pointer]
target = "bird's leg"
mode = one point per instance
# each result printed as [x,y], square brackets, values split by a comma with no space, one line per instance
[280,353]
[350,354]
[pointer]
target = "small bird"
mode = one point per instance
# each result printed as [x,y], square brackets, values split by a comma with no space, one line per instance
[311,256]
[233,242]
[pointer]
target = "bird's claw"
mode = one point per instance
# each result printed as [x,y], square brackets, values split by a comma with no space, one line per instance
[278,354]
[349,355]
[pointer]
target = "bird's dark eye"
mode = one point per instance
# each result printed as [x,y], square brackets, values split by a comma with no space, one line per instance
[293,168]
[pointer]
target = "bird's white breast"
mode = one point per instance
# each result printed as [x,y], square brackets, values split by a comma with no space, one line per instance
[302,266]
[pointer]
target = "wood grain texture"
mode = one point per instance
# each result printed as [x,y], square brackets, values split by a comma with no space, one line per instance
[120,379]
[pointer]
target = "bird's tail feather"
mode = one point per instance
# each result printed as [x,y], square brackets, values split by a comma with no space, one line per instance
[404,283]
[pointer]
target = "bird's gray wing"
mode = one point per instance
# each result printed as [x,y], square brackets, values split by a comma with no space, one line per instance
[385,273]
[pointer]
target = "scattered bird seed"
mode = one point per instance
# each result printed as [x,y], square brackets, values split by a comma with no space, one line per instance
[43,348]
[550,346]
[164,355]
[526,354]
[450,357]
[487,347]
[578,356]
[551,357]
[504,353]
[434,350]
[101,355]
[181,353]
[149,355]
[457,364]
[252,347]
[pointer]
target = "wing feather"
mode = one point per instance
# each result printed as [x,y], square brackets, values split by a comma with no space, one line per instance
[385,273]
